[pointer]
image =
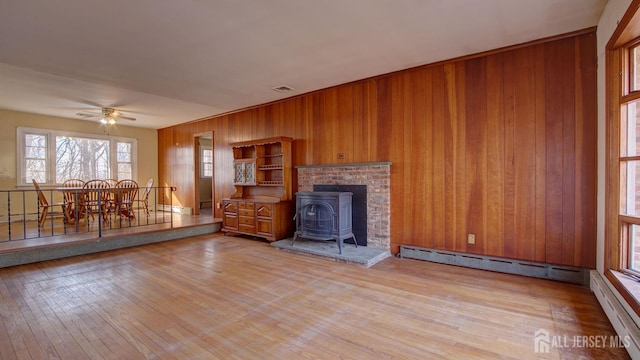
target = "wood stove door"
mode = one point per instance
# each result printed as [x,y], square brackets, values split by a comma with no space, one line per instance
[317,220]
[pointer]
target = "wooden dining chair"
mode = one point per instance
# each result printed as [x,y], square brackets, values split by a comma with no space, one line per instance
[125,193]
[143,201]
[95,199]
[112,182]
[43,204]
[71,197]
[73,183]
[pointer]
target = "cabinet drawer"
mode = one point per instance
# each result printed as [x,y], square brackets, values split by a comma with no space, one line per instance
[248,228]
[264,226]
[230,206]
[265,210]
[246,212]
[247,220]
[230,222]
[247,205]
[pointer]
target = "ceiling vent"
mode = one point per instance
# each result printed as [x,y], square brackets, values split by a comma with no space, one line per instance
[283,88]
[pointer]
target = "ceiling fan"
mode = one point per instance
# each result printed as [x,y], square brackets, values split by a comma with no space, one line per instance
[107,116]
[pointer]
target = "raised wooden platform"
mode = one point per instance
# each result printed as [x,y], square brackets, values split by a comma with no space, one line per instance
[20,252]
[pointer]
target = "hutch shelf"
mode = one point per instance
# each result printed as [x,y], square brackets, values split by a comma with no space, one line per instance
[262,203]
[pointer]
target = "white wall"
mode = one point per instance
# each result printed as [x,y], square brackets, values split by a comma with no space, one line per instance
[613,12]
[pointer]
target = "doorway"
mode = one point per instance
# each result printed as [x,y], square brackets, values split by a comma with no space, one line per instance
[204,175]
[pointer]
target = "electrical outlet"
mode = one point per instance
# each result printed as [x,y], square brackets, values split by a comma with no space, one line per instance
[471,238]
[340,156]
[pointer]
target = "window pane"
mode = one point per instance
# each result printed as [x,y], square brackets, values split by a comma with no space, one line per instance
[629,130]
[36,169]
[207,162]
[634,247]
[81,158]
[207,170]
[124,152]
[35,146]
[630,188]
[635,68]
[124,171]
[207,155]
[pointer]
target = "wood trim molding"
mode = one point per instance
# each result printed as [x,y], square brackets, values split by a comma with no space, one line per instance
[624,291]
[628,27]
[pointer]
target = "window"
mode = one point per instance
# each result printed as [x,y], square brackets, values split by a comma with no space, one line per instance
[630,184]
[622,156]
[35,161]
[51,157]
[634,69]
[206,155]
[628,165]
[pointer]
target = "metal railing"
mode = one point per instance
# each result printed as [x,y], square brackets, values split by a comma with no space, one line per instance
[21,212]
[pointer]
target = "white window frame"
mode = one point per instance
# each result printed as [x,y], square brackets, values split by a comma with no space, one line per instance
[51,135]
[202,149]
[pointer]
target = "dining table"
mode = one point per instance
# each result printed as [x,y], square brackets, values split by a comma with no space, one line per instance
[72,196]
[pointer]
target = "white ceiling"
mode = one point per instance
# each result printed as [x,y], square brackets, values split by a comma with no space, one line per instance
[166,62]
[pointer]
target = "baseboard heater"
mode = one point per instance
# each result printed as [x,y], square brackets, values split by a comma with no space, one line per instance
[624,325]
[527,268]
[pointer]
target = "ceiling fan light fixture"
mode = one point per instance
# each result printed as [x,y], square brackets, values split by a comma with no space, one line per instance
[108,120]
[107,116]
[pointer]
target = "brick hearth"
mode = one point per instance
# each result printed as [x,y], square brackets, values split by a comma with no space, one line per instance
[377,178]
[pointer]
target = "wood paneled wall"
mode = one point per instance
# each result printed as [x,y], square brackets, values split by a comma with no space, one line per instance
[502,146]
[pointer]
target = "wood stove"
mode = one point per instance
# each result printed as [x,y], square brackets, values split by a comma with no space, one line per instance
[324,215]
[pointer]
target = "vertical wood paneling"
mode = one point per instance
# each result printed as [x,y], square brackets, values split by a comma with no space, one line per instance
[494,242]
[540,152]
[502,146]
[568,151]
[461,199]
[345,125]
[449,158]
[555,104]
[524,161]
[508,201]
[360,125]
[586,151]
[476,152]
[420,160]
[438,176]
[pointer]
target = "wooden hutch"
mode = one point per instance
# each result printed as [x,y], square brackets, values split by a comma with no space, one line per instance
[262,204]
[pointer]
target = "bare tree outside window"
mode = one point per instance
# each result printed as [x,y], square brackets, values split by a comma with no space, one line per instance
[125,166]
[81,158]
[36,157]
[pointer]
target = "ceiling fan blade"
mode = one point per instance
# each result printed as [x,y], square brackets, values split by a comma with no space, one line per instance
[88,115]
[119,117]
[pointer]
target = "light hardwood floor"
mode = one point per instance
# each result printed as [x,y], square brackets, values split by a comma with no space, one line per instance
[215,296]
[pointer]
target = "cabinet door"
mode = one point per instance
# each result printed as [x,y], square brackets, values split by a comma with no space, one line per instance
[230,206]
[238,173]
[231,221]
[265,226]
[230,214]
[244,173]
[264,219]
[264,210]
[250,173]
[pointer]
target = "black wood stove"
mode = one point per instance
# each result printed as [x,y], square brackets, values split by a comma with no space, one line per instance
[324,215]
